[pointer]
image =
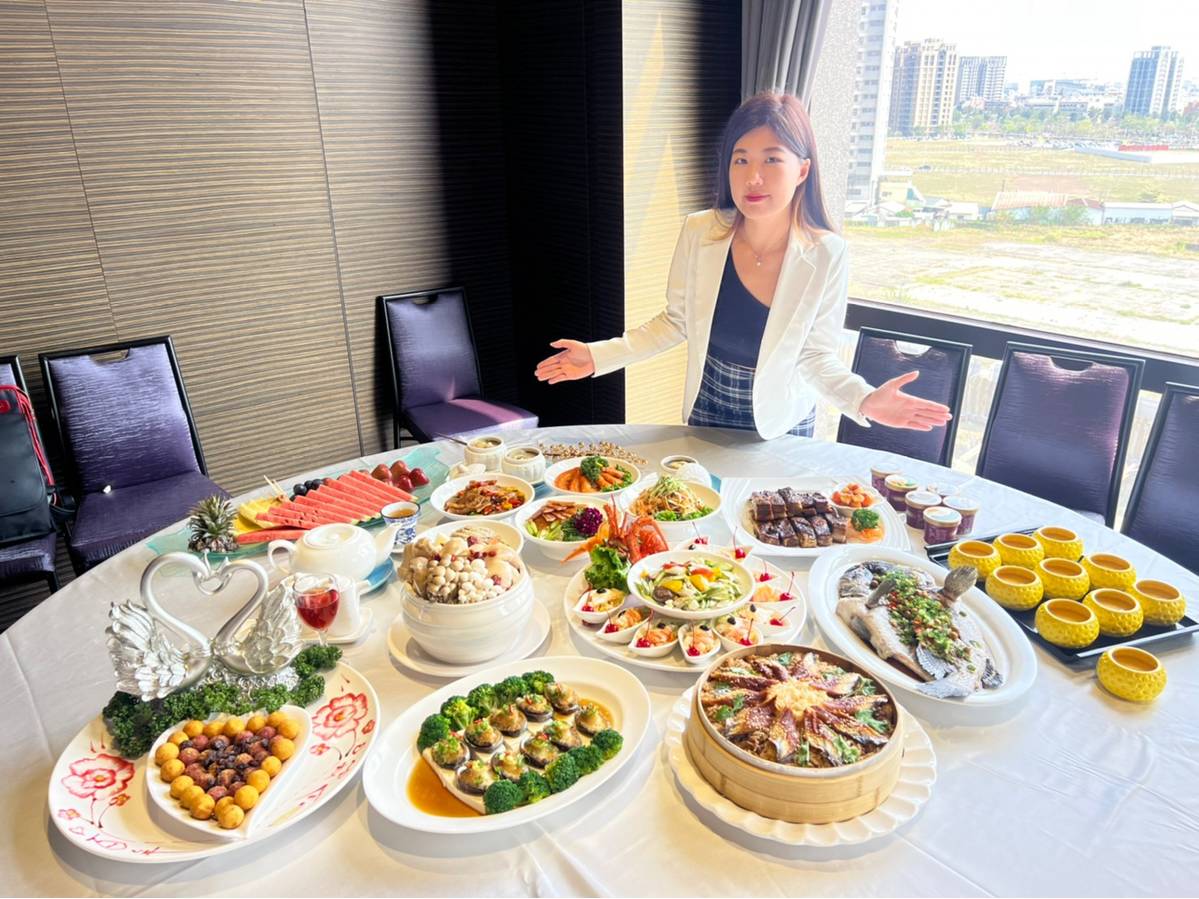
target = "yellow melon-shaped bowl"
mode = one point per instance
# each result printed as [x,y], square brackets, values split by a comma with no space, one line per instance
[1106,570]
[1067,623]
[1063,579]
[1131,673]
[975,553]
[1118,612]
[1162,603]
[1019,549]
[1059,543]
[1015,588]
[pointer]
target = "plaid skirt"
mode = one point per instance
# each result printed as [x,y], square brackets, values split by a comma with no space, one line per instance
[726,399]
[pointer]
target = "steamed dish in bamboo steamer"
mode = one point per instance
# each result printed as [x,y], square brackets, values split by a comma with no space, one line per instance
[796,734]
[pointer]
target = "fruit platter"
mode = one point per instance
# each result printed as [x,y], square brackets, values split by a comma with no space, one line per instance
[929,633]
[622,627]
[108,794]
[798,517]
[1075,604]
[507,746]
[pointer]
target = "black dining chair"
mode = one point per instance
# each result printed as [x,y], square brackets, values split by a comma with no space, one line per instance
[1166,490]
[943,366]
[133,451]
[27,560]
[1059,424]
[435,368]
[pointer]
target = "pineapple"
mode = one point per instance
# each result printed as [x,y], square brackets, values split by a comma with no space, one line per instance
[212,526]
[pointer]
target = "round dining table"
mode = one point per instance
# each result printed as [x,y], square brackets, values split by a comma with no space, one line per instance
[1073,792]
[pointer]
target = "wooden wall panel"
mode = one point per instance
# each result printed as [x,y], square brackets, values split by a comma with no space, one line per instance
[196,129]
[410,114]
[682,79]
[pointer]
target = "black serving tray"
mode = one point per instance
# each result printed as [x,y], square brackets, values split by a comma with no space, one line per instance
[1148,635]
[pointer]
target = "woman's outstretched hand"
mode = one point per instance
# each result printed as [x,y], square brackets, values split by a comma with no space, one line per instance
[890,406]
[572,363]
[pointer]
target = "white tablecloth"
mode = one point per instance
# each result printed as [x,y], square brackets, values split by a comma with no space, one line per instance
[1076,793]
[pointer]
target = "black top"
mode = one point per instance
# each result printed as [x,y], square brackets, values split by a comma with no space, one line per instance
[739,322]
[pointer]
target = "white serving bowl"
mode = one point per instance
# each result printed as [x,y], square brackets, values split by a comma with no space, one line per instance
[702,658]
[554,549]
[474,633]
[652,652]
[597,617]
[446,491]
[678,531]
[468,634]
[552,473]
[654,563]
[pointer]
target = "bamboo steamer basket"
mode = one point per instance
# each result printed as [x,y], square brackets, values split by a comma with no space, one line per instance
[785,792]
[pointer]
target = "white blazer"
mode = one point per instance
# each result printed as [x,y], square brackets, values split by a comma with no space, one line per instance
[798,356]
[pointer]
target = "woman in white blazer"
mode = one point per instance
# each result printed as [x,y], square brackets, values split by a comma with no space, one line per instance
[757,288]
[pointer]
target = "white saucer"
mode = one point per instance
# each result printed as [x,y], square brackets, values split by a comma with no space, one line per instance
[408,653]
[366,617]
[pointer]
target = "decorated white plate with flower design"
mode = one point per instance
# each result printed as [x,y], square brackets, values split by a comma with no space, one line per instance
[97,799]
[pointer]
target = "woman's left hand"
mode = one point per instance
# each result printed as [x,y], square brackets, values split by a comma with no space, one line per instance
[890,406]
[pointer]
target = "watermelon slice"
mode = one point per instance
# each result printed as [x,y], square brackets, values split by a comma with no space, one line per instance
[387,491]
[327,506]
[299,516]
[267,534]
[353,494]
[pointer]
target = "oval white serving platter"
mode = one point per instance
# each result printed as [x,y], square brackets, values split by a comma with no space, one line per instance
[1011,650]
[385,778]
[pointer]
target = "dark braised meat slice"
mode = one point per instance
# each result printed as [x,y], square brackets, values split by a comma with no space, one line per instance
[824,534]
[805,532]
[760,505]
[768,532]
[838,525]
[792,500]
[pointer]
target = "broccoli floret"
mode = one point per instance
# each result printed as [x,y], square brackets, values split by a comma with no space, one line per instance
[538,681]
[308,690]
[458,712]
[587,759]
[561,773]
[592,467]
[483,698]
[533,787]
[608,742]
[432,729]
[315,658]
[502,796]
[270,698]
[511,689]
[184,706]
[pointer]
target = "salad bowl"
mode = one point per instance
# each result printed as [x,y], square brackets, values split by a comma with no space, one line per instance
[550,541]
[707,584]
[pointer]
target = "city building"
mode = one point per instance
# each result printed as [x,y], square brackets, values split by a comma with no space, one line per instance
[871,96]
[1154,83]
[980,77]
[923,86]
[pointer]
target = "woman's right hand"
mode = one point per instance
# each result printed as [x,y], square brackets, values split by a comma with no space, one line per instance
[572,363]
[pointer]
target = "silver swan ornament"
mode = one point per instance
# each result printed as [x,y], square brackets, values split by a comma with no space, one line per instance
[148,664]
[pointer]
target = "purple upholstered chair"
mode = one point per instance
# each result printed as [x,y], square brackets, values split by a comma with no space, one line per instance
[435,369]
[128,435]
[943,365]
[1167,489]
[28,560]
[1059,426]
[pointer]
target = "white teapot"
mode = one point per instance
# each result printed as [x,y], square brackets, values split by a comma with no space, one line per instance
[344,549]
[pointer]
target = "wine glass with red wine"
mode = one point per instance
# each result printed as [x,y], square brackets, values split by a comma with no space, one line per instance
[316,599]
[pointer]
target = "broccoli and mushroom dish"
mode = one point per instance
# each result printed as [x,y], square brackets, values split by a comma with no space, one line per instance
[516,742]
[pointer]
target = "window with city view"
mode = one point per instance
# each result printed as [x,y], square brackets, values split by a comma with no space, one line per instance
[1030,163]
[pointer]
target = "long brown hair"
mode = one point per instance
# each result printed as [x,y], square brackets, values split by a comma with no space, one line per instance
[785,116]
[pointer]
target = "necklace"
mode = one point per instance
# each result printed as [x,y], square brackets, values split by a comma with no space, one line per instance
[758,256]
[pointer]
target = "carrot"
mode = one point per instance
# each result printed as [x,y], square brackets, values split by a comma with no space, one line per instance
[563,480]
